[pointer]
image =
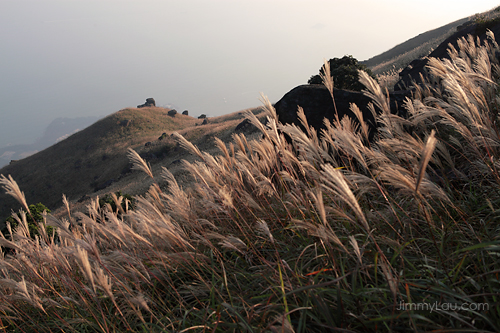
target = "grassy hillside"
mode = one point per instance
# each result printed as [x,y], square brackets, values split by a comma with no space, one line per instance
[388,65]
[325,234]
[415,71]
[401,55]
[57,130]
[94,160]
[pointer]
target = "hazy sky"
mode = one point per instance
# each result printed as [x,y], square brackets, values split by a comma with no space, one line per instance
[72,58]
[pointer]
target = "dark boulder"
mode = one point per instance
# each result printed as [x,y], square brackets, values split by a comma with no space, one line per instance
[317,104]
[246,127]
[244,124]
[172,113]
[149,102]
[185,112]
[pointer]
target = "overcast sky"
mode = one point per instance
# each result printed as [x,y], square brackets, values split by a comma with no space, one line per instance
[72,58]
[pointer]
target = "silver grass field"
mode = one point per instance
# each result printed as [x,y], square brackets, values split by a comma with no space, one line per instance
[327,233]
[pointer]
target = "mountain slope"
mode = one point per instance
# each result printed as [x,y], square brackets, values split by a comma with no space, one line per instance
[416,47]
[58,129]
[79,163]
[416,69]
[95,158]
[94,161]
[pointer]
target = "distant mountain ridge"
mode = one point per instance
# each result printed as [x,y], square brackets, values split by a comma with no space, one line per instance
[61,128]
[436,36]
[58,129]
[414,72]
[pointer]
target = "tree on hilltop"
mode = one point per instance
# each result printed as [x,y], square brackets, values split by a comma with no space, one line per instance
[344,72]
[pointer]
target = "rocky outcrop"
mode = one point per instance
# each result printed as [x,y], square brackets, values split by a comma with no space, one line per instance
[317,104]
[417,67]
[149,102]
[243,125]
[246,127]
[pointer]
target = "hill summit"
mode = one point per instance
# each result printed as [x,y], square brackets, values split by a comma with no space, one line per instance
[95,158]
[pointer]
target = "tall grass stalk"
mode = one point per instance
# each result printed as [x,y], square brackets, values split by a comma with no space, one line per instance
[324,233]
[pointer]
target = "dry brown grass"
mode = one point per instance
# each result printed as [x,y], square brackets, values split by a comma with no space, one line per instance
[96,156]
[321,234]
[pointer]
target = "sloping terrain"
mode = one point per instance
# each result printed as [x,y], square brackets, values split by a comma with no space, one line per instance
[401,55]
[94,161]
[275,237]
[58,130]
[416,47]
[477,30]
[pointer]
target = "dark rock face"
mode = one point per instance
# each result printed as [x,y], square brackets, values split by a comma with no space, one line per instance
[149,102]
[185,112]
[246,127]
[243,125]
[416,67]
[317,104]
[172,113]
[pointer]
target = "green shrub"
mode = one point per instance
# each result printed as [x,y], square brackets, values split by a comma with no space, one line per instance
[33,218]
[108,199]
[344,72]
